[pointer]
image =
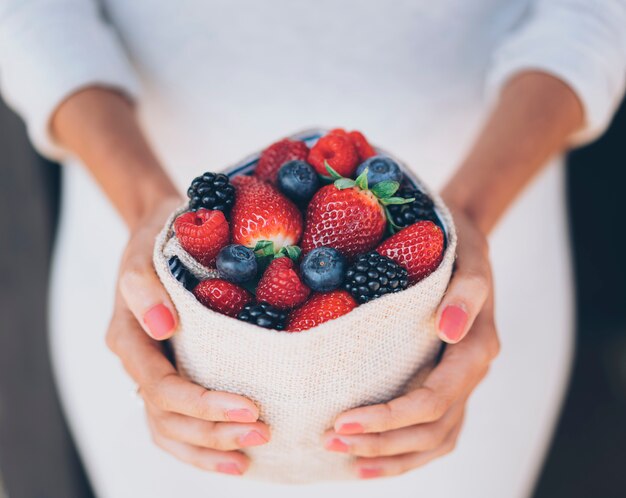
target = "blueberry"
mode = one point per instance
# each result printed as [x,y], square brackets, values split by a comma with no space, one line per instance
[323,269]
[236,263]
[298,181]
[380,168]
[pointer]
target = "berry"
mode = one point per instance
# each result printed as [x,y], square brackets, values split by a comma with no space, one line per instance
[298,181]
[362,146]
[372,275]
[422,208]
[418,248]
[262,213]
[202,234]
[211,191]
[222,296]
[236,263]
[336,149]
[323,269]
[320,308]
[380,169]
[264,315]
[281,286]
[278,154]
[182,273]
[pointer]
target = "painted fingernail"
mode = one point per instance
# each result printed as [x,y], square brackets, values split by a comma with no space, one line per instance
[370,472]
[336,444]
[240,415]
[452,322]
[159,321]
[252,438]
[351,428]
[229,468]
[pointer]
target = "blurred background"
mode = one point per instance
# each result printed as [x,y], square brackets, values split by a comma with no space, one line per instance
[588,454]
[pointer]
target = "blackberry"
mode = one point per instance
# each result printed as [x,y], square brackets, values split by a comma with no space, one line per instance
[264,315]
[181,273]
[211,191]
[421,209]
[372,275]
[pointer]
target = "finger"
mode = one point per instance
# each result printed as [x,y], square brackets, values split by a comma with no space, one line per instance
[162,386]
[226,462]
[461,368]
[367,468]
[142,290]
[221,436]
[470,285]
[423,437]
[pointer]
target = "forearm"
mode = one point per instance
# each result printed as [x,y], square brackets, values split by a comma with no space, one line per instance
[99,126]
[533,120]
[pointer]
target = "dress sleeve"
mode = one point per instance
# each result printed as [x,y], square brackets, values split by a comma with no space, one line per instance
[49,49]
[581,42]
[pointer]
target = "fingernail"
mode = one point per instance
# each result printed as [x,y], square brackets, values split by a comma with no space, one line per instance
[452,322]
[252,438]
[229,468]
[369,472]
[240,415]
[159,321]
[338,445]
[351,428]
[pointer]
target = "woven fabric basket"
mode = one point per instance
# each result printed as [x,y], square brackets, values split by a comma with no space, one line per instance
[302,381]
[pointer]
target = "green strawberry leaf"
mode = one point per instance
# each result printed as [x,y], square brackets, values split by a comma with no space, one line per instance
[396,200]
[393,228]
[262,244]
[292,252]
[264,248]
[344,183]
[361,180]
[331,171]
[385,189]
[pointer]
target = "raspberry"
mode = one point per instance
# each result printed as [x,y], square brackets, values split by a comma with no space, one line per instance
[202,234]
[222,296]
[278,154]
[338,150]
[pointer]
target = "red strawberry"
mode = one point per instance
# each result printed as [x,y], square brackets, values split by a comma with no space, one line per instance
[362,146]
[418,248]
[350,220]
[281,286]
[262,213]
[222,296]
[338,150]
[202,234]
[321,308]
[278,154]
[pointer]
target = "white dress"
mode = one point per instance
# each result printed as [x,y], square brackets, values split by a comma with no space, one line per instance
[218,79]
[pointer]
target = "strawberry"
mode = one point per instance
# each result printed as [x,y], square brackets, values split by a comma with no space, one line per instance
[362,146]
[348,216]
[222,296]
[278,154]
[320,308]
[338,150]
[262,214]
[202,234]
[281,286]
[418,248]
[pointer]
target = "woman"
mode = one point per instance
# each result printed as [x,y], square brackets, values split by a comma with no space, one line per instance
[476,96]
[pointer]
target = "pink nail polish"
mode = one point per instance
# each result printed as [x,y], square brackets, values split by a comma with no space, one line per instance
[252,438]
[240,415]
[229,468]
[338,445]
[369,472]
[452,322]
[351,428]
[159,321]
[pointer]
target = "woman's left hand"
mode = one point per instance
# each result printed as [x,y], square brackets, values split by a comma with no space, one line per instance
[410,431]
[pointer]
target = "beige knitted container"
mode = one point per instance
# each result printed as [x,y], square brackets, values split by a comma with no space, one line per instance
[302,381]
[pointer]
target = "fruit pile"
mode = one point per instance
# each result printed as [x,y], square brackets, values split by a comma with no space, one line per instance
[309,235]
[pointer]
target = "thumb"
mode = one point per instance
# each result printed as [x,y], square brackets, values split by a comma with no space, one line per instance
[142,290]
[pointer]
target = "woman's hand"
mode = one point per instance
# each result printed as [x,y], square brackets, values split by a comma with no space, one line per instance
[200,427]
[410,431]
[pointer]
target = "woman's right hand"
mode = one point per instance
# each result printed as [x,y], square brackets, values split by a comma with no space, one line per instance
[201,427]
